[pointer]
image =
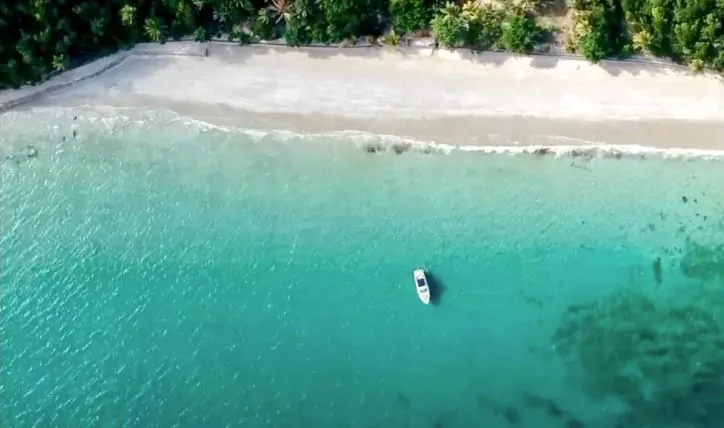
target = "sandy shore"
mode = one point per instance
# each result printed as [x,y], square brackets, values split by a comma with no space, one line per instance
[451,97]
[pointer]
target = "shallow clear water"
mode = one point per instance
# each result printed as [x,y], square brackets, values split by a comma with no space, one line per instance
[166,274]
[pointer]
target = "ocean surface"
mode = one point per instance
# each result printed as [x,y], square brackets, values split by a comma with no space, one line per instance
[160,272]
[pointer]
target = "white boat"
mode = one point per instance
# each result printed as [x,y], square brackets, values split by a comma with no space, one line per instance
[423,290]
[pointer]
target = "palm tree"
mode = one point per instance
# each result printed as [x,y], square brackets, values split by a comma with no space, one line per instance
[128,15]
[60,62]
[154,30]
[282,8]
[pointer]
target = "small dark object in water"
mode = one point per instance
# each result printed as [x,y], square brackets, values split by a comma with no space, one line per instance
[586,153]
[615,154]
[403,399]
[684,199]
[575,165]
[512,415]
[75,133]
[550,406]
[373,147]
[445,419]
[542,151]
[658,275]
[400,148]
[509,413]
[554,410]
[75,117]
[30,152]
[532,399]
[574,423]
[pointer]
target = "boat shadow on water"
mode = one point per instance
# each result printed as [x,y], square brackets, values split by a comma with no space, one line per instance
[437,288]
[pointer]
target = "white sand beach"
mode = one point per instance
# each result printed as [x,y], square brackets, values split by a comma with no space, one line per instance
[450,97]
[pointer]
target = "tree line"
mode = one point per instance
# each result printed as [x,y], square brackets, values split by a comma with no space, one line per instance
[38,38]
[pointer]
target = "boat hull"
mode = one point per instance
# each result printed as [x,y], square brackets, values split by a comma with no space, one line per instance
[424,297]
[422,286]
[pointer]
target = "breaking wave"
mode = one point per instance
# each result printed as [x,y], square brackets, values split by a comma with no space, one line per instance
[52,121]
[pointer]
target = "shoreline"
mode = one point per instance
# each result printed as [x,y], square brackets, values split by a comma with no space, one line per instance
[84,119]
[453,98]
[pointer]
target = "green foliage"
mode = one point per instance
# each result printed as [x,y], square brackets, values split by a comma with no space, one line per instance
[296,33]
[265,24]
[333,21]
[450,26]
[350,18]
[410,15]
[391,38]
[600,29]
[484,25]
[60,62]
[201,34]
[39,38]
[128,15]
[281,9]
[692,31]
[155,31]
[651,21]
[594,46]
[520,32]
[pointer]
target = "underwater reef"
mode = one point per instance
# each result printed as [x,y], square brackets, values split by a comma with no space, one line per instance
[664,360]
[704,262]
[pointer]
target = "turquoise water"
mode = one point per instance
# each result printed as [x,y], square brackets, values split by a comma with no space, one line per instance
[159,274]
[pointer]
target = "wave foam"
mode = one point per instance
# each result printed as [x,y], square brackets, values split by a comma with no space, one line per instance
[114,118]
[374,143]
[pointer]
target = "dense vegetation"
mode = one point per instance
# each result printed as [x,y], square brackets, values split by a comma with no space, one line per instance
[40,37]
